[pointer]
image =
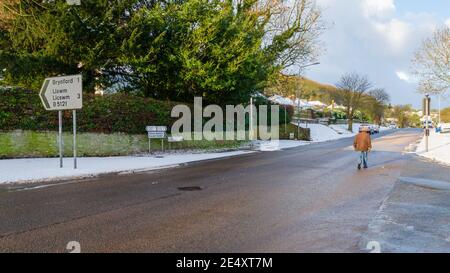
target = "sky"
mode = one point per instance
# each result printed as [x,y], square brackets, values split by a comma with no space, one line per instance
[378,38]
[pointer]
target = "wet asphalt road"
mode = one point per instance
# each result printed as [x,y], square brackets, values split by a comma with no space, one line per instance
[306,199]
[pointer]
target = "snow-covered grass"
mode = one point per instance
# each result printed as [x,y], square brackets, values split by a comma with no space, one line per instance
[279,145]
[438,148]
[341,130]
[321,133]
[46,169]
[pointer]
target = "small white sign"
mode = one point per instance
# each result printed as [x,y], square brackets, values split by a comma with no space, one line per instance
[162,129]
[62,93]
[156,128]
[154,135]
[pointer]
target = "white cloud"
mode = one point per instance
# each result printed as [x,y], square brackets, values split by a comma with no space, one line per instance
[378,7]
[404,76]
[395,32]
[448,22]
[375,38]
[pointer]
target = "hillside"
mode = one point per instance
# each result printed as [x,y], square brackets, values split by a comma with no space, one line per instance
[445,115]
[307,88]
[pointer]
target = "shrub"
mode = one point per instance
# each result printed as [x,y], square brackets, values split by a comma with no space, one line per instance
[22,109]
[113,113]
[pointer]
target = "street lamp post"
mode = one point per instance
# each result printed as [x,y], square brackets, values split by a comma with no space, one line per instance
[298,97]
[439,103]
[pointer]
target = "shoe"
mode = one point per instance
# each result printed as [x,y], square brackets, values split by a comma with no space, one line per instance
[365,166]
[359,166]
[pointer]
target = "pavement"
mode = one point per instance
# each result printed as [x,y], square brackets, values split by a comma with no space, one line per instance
[306,199]
[414,218]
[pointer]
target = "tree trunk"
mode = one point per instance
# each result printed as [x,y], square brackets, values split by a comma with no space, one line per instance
[350,124]
[350,121]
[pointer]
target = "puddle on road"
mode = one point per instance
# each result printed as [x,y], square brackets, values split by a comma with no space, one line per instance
[192,188]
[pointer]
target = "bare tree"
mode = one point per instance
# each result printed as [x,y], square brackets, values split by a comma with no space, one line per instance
[432,62]
[7,12]
[351,88]
[292,31]
[377,101]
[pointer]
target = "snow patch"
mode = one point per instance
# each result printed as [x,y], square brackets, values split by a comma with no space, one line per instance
[47,169]
[438,148]
[321,133]
[268,146]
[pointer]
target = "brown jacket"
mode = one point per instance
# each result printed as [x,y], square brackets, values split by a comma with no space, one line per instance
[362,142]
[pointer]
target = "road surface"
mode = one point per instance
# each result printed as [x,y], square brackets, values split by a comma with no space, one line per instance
[306,199]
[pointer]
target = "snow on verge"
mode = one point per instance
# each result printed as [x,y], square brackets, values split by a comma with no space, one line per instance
[268,146]
[47,169]
[321,133]
[438,148]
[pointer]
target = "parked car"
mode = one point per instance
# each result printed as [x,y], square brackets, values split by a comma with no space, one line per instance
[376,129]
[368,127]
[324,121]
[444,128]
[392,125]
[430,124]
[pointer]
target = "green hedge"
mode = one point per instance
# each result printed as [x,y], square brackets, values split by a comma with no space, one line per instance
[22,109]
[25,144]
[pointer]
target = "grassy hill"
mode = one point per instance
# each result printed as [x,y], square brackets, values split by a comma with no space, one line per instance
[445,115]
[306,88]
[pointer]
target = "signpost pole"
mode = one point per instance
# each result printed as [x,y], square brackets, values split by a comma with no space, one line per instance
[427,117]
[74,139]
[60,139]
[149,145]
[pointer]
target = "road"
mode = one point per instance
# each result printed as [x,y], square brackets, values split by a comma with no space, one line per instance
[306,199]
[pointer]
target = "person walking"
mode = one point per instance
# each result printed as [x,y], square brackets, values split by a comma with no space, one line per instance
[363,144]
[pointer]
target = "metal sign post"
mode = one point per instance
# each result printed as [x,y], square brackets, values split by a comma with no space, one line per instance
[63,93]
[74,115]
[156,132]
[149,145]
[60,141]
